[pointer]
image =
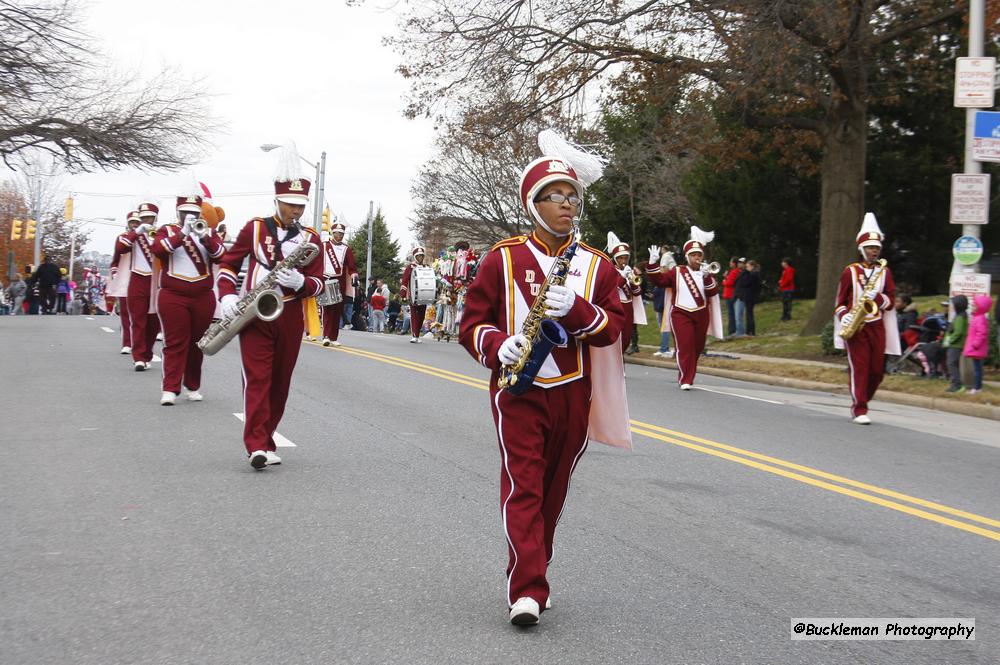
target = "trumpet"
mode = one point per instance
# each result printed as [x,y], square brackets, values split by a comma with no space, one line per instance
[712,268]
[199,226]
[633,276]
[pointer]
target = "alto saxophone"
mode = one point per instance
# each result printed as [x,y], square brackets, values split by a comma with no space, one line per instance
[543,333]
[866,305]
[263,302]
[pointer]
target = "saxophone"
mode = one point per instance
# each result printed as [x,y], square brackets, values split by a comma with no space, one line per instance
[542,332]
[866,305]
[263,301]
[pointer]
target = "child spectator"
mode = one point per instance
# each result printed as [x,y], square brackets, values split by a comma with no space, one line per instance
[786,285]
[378,311]
[954,341]
[977,342]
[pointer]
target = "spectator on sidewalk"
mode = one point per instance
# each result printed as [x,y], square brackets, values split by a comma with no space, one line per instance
[659,296]
[62,293]
[906,313]
[392,311]
[378,311]
[786,287]
[48,276]
[977,340]
[17,291]
[729,292]
[954,341]
[747,292]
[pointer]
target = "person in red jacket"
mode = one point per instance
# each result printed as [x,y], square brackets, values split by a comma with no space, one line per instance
[185,301]
[543,432]
[270,349]
[786,286]
[729,292]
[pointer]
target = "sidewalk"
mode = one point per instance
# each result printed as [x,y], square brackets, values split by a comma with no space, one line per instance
[923,401]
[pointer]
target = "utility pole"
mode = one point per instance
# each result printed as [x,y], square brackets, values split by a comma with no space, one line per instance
[40,228]
[320,192]
[368,263]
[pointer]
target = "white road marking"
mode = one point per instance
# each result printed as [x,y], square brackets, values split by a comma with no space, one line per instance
[723,392]
[279,440]
[89,318]
[107,329]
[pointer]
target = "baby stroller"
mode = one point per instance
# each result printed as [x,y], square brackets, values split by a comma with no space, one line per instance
[923,353]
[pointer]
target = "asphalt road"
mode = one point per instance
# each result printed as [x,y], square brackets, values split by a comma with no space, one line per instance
[135,533]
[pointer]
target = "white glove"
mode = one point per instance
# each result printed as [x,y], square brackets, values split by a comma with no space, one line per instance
[143,229]
[290,279]
[229,307]
[654,254]
[186,228]
[511,348]
[559,300]
[846,319]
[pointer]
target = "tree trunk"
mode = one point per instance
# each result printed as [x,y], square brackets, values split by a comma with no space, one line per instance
[842,203]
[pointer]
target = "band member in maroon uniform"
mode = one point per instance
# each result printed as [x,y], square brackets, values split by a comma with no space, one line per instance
[692,297]
[145,324]
[543,432]
[269,350]
[118,284]
[417,312]
[879,334]
[338,264]
[185,300]
[629,292]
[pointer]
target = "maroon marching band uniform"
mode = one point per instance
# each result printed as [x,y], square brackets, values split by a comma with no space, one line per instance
[417,312]
[627,292]
[866,349]
[269,350]
[542,433]
[339,264]
[145,325]
[185,301]
[123,316]
[689,313]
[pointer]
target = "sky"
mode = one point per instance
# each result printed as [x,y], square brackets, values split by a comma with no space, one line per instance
[313,72]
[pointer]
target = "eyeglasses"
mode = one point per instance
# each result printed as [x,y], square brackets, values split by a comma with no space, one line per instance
[560,198]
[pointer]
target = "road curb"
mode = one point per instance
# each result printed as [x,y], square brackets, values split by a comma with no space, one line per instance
[922,401]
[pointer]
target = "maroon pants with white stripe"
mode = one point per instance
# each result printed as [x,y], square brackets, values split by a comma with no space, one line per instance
[417,313]
[627,327]
[866,357]
[690,332]
[331,320]
[542,435]
[145,326]
[184,318]
[269,352]
[126,322]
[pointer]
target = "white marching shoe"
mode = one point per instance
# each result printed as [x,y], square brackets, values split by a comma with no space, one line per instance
[271,457]
[548,603]
[159,337]
[125,349]
[258,459]
[157,359]
[326,341]
[168,398]
[685,386]
[141,366]
[414,340]
[335,343]
[194,396]
[524,612]
[862,420]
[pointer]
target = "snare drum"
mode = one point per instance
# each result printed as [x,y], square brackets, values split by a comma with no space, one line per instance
[331,294]
[423,285]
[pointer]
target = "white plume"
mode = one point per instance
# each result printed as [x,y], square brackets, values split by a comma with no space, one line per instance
[704,237]
[589,166]
[289,165]
[613,241]
[189,186]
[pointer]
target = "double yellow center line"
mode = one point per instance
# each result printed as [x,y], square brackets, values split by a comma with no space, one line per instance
[879,496]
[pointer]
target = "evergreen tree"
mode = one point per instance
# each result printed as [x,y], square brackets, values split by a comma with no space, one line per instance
[385,252]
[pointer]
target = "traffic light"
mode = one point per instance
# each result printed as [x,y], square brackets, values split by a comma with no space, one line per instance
[15,229]
[68,213]
[29,230]
[326,219]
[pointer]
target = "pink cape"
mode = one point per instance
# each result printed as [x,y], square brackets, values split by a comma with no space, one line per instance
[609,418]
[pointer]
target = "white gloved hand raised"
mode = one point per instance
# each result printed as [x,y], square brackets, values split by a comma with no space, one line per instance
[290,279]
[846,319]
[559,300]
[143,229]
[654,253]
[510,350]
[229,305]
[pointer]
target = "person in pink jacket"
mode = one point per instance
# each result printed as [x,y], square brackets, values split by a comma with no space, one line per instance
[977,341]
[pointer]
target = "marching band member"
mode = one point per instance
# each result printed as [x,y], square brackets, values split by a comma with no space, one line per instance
[879,334]
[543,432]
[417,312]
[338,264]
[269,350]
[145,324]
[118,285]
[185,300]
[693,302]
[629,292]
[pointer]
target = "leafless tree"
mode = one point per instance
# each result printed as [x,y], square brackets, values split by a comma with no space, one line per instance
[58,95]
[793,64]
